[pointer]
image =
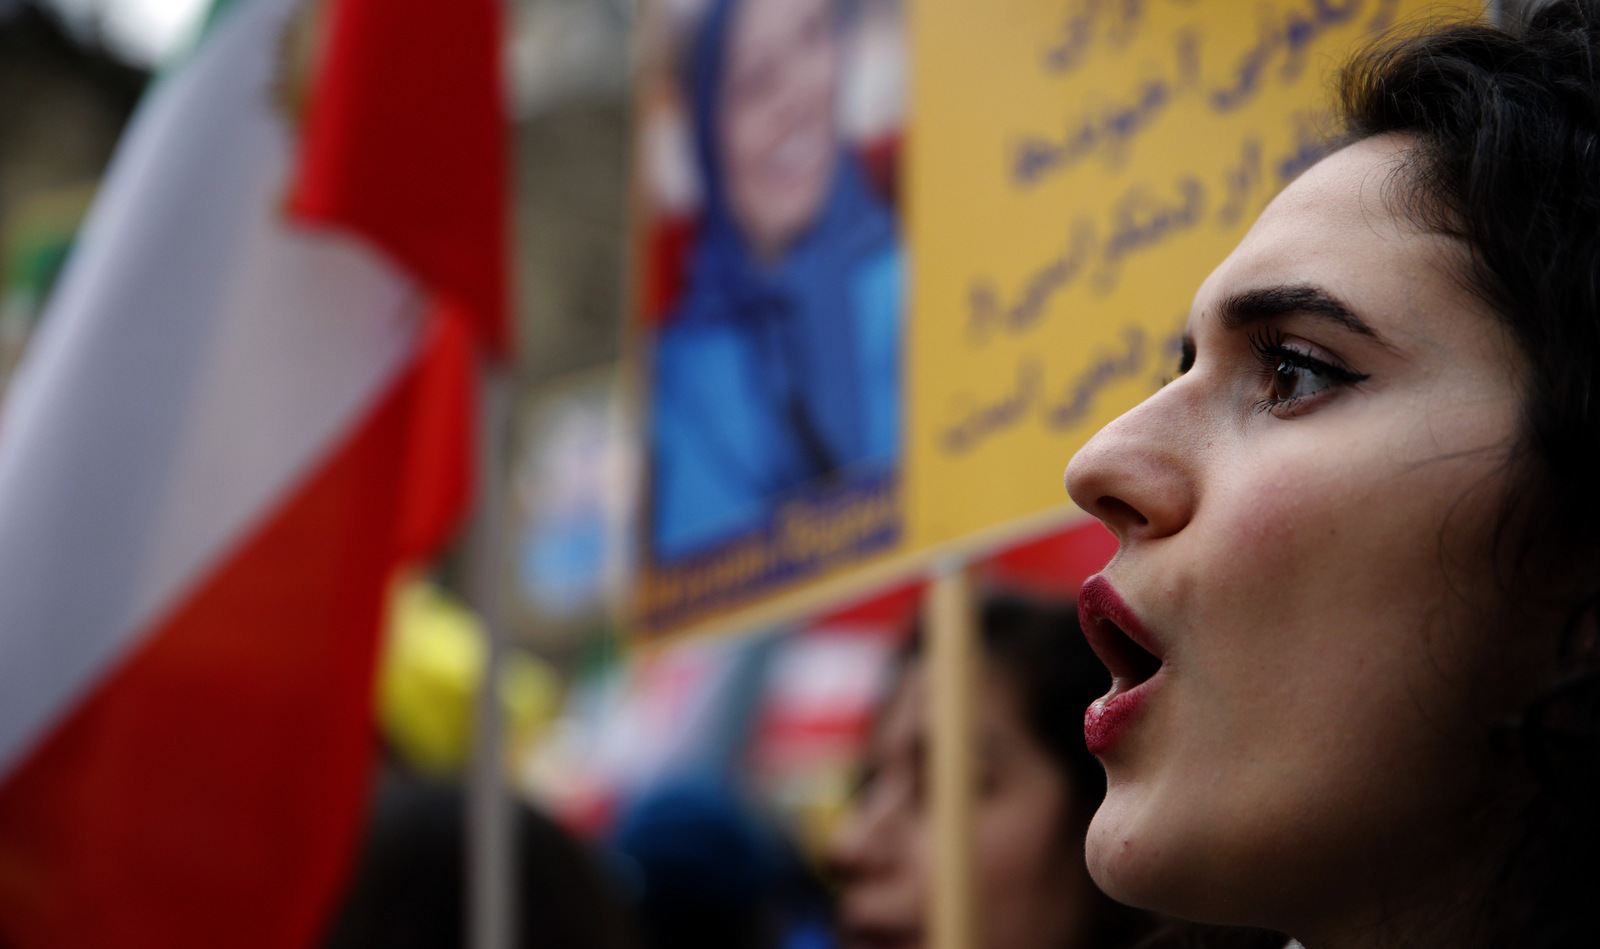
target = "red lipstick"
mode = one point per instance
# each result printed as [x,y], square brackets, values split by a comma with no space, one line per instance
[1130,653]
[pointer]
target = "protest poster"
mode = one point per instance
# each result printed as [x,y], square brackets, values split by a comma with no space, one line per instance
[772,296]
[899,261]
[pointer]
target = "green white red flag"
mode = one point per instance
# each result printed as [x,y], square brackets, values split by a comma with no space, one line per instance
[249,400]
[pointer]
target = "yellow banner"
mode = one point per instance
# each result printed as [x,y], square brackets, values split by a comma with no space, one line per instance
[875,324]
[1078,169]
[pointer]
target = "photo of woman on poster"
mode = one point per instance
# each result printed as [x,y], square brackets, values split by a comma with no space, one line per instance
[776,371]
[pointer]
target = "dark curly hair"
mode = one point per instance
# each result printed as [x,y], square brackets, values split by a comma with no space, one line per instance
[1506,158]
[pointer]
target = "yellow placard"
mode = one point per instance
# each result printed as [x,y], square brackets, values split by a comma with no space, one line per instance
[1077,170]
[993,265]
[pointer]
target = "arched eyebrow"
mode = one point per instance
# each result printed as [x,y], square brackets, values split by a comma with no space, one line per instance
[1249,307]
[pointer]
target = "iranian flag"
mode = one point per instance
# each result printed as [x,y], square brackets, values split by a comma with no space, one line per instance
[248,402]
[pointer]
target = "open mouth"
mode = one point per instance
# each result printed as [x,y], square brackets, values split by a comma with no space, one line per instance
[1130,664]
[1117,637]
[1131,654]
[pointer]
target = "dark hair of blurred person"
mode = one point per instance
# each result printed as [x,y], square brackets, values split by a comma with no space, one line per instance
[409,889]
[709,873]
[1038,788]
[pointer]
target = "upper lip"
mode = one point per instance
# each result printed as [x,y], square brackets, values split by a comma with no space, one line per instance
[1115,634]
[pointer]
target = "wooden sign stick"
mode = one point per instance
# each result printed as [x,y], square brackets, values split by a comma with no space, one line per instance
[952,677]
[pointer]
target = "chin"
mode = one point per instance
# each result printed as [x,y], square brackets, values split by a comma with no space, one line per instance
[1135,858]
[1118,860]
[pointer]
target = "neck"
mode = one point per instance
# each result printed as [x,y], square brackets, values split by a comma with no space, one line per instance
[1438,895]
[1447,916]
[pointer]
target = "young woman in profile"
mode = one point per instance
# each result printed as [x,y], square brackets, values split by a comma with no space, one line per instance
[1352,624]
[1038,787]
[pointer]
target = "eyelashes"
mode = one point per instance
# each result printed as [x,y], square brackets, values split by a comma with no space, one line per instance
[1185,360]
[1289,373]
[1292,375]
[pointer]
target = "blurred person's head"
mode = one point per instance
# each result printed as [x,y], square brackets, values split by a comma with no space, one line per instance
[1038,788]
[764,84]
[705,871]
[409,886]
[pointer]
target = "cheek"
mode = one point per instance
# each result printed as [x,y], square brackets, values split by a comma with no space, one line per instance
[742,135]
[1340,600]
[1029,866]
[1018,847]
[1322,530]
[1284,508]
[815,85]
[1323,640]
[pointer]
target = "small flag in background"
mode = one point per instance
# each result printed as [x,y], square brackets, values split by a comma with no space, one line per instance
[250,399]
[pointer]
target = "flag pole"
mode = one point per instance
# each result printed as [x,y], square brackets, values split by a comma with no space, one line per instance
[952,662]
[490,857]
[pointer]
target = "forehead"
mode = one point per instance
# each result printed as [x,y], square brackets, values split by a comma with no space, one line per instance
[759,26]
[1336,227]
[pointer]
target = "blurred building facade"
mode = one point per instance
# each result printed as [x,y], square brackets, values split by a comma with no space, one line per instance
[569,61]
[63,101]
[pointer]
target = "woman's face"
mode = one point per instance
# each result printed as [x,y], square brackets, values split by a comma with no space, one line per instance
[1305,517]
[777,117]
[1032,887]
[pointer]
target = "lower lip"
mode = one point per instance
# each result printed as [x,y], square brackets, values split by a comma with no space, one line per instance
[1109,718]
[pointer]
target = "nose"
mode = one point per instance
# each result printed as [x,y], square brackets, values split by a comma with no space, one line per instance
[1138,475]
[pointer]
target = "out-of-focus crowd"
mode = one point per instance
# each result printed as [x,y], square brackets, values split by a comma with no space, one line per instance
[703,852]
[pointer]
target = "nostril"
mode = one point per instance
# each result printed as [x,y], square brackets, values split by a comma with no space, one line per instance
[1114,509]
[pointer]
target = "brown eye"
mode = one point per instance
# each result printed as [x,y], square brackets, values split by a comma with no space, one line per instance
[1292,380]
[1290,374]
